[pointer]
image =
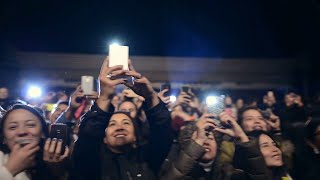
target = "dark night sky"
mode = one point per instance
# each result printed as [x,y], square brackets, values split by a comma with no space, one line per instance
[209,28]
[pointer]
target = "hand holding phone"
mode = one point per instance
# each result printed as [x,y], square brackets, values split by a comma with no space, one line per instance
[166,86]
[59,131]
[185,89]
[119,55]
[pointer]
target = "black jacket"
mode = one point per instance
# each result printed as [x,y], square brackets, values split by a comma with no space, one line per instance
[140,163]
[307,164]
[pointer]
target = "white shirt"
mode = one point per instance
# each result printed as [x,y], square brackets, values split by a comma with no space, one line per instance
[5,173]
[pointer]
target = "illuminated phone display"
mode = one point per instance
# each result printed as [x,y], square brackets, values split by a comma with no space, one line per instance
[119,55]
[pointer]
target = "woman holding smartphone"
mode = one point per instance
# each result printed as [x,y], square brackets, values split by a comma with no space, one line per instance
[24,152]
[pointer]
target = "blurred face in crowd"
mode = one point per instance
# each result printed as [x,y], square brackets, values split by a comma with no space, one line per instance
[21,127]
[115,101]
[228,101]
[62,96]
[57,112]
[130,107]
[210,146]
[4,93]
[119,132]
[239,103]
[253,120]
[271,153]
[291,98]
[288,100]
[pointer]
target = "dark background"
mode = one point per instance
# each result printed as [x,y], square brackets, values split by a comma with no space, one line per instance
[208,28]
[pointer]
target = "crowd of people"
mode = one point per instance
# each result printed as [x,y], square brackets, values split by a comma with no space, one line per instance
[140,134]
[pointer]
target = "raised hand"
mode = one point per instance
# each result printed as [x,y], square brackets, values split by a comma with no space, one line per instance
[235,130]
[73,103]
[52,151]
[204,123]
[22,158]
[184,98]
[107,84]
[274,122]
[194,103]
[165,99]
[142,87]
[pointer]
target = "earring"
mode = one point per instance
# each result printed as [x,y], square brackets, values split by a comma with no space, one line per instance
[316,151]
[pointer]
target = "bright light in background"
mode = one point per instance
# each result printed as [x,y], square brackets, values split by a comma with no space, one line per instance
[115,43]
[34,92]
[173,99]
[211,100]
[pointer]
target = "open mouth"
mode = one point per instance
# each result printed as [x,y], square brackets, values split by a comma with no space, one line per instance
[276,156]
[24,141]
[257,127]
[206,148]
[120,135]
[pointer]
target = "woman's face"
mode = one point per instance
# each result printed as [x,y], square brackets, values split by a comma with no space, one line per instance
[120,132]
[210,146]
[253,120]
[21,127]
[239,103]
[271,153]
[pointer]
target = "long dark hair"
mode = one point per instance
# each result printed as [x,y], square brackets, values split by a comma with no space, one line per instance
[276,172]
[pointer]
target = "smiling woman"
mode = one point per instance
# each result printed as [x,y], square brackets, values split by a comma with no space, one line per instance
[272,155]
[120,132]
[23,154]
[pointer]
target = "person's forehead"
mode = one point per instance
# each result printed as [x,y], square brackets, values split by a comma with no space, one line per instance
[119,116]
[3,89]
[127,104]
[252,112]
[21,115]
[265,138]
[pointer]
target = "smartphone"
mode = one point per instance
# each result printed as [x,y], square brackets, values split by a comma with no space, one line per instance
[119,55]
[185,89]
[60,131]
[87,84]
[166,86]
[217,108]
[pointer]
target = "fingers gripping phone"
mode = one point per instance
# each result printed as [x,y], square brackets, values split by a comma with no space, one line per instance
[166,86]
[60,131]
[185,89]
[185,106]
[217,108]
[119,55]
